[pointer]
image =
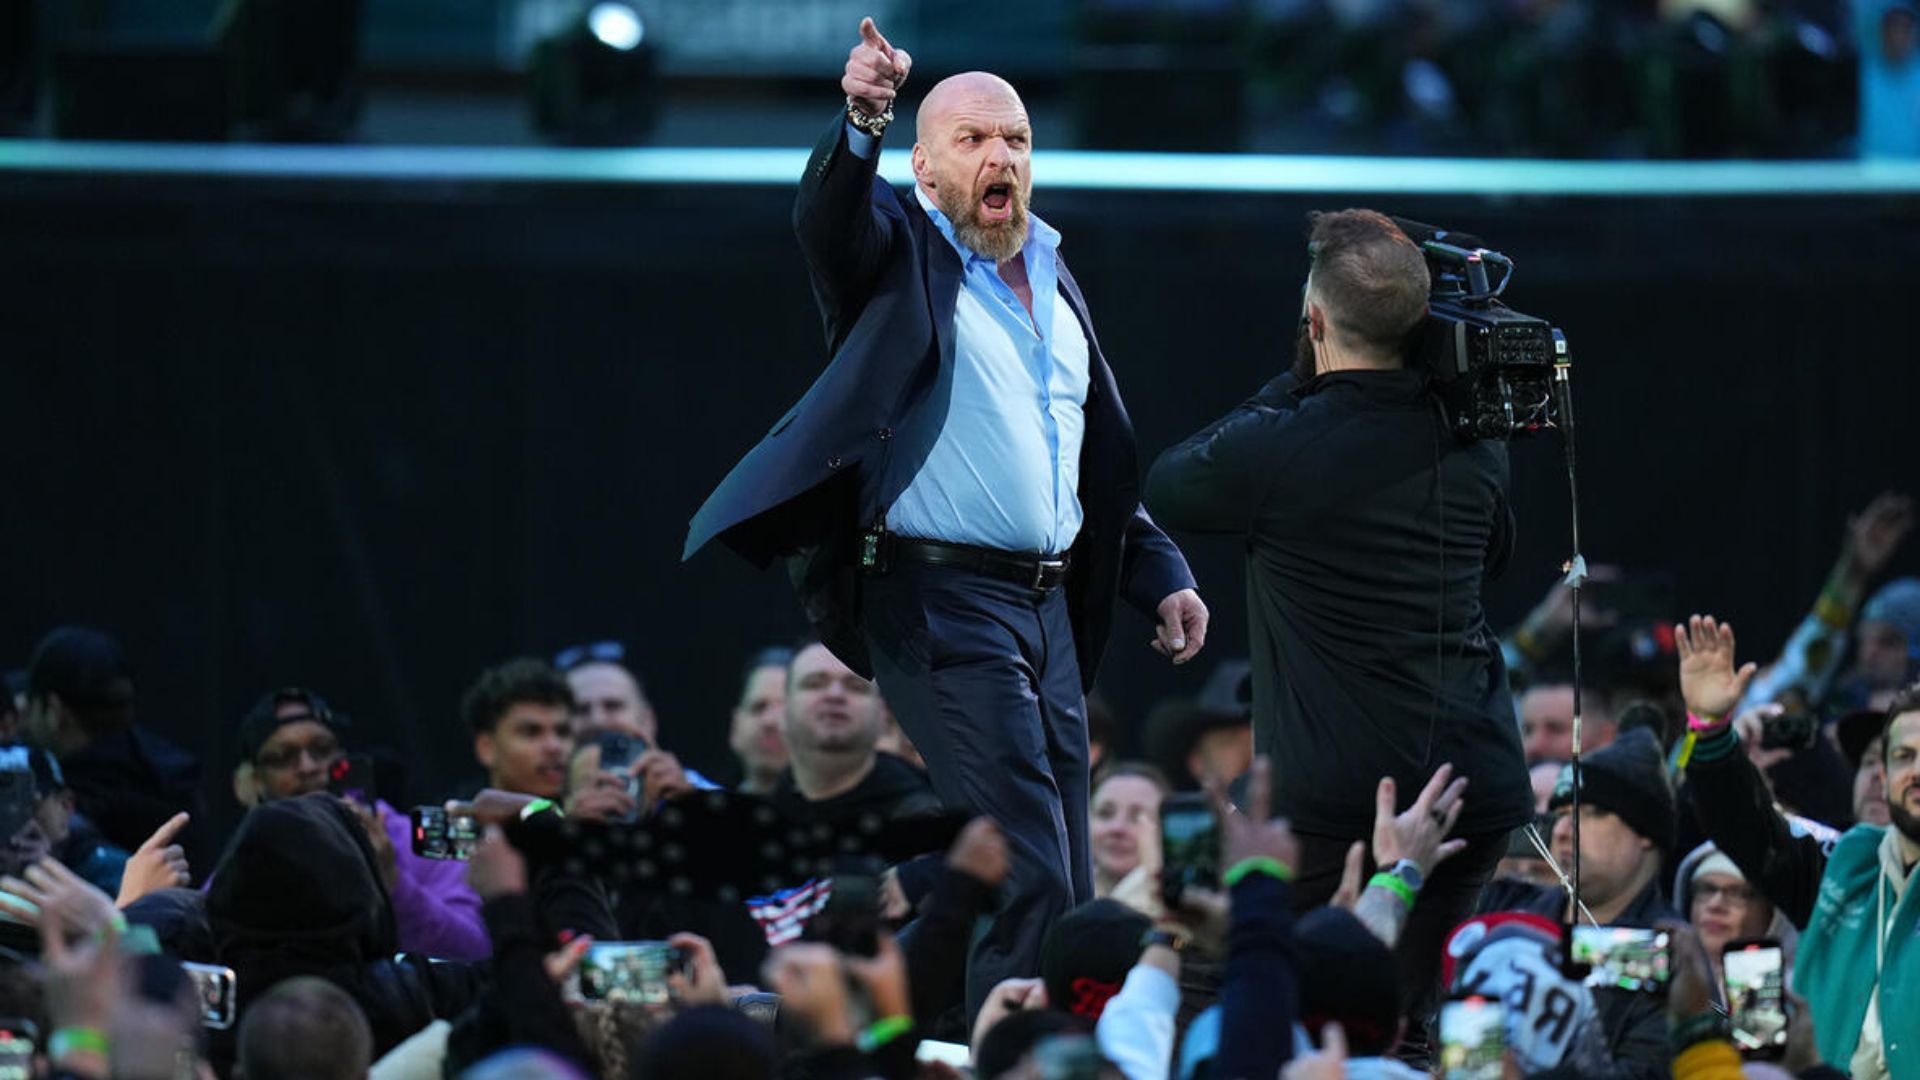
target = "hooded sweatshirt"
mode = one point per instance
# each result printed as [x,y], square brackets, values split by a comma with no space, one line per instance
[299,893]
[1780,929]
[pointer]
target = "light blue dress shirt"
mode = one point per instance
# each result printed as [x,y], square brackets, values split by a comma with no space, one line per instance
[1005,470]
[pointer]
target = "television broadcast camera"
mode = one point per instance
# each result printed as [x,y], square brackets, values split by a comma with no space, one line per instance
[1493,368]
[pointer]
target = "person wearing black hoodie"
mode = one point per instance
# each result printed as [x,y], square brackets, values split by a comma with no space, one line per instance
[299,893]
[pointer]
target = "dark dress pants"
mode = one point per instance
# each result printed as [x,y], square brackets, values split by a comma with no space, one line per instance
[982,675]
[1447,899]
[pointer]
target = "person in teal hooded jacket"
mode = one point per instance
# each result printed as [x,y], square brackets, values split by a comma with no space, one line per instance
[1855,901]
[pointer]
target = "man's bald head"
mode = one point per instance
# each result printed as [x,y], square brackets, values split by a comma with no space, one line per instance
[967,90]
[972,160]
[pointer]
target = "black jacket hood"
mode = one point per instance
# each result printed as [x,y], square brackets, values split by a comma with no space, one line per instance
[300,880]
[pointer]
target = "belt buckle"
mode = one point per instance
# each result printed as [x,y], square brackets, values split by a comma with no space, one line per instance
[1040,568]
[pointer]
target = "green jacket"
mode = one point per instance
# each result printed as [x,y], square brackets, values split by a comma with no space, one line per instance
[1834,969]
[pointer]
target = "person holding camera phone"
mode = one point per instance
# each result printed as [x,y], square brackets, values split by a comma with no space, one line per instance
[1854,899]
[1369,529]
[289,742]
[1626,826]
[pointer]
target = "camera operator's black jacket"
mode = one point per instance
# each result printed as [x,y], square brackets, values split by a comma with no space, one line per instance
[1369,530]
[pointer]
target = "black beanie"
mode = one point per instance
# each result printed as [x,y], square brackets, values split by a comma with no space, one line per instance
[1087,953]
[1348,975]
[1628,779]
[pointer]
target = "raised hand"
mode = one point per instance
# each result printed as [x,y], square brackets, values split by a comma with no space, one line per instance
[61,896]
[1690,992]
[980,852]
[1248,835]
[1420,834]
[497,868]
[374,823]
[82,976]
[1010,996]
[875,71]
[661,777]
[1327,1063]
[1803,1050]
[884,978]
[1347,896]
[703,983]
[1874,534]
[1708,680]
[813,987]
[491,806]
[159,864]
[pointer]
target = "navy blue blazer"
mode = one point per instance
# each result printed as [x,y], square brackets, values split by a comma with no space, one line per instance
[886,282]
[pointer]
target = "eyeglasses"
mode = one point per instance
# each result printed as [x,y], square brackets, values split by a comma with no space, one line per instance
[323,749]
[1737,893]
[607,652]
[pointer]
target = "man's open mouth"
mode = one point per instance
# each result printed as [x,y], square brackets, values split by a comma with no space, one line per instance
[997,203]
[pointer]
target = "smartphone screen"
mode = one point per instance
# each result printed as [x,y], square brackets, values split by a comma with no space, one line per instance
[438,834]
[1189,845]
[1473,1038]
[351,777]
[1623,957]
[213,989]
[632,971]
[18,1039]
[618,751]
[1756,997]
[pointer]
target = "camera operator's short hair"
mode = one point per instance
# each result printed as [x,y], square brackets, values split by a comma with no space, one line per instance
[526,680]
[305,1028]
[1370,276]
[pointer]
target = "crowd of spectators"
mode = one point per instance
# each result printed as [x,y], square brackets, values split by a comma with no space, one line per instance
[815,920]
[1520,78]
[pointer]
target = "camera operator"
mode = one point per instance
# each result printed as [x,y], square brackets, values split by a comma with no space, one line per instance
[1368,532]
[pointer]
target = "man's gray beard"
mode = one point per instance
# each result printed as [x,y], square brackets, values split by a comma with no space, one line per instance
[997,242]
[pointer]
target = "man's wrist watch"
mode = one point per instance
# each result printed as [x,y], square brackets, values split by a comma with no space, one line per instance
[1157,936]
[875,126]
[1409,873]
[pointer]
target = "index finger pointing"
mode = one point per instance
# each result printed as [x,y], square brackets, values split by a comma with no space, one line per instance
[164,834]
[870,34]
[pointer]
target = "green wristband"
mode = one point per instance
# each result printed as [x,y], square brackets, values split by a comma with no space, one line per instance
[1393,884]
[535,807]
[70,1040]
[882,1032]
[1256,864]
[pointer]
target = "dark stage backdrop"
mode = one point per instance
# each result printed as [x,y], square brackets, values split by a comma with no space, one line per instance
[371,436]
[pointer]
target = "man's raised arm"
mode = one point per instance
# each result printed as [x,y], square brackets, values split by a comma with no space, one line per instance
[841,231]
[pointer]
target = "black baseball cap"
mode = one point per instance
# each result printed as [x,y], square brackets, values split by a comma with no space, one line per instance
[263,719]
[83,666]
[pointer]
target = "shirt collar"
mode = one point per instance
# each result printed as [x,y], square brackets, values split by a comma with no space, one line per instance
[1038,232]
[1398,384]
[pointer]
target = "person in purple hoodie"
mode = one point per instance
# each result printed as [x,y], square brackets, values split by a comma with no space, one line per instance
[289,742]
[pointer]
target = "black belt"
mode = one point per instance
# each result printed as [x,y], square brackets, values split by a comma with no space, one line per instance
[1039,572]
